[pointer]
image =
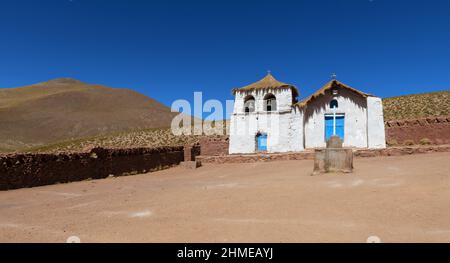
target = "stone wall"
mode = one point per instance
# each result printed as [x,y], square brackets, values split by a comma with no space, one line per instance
[309,155]
[252,158]
[402,150]
[29,170]
[416,131]
[217,145]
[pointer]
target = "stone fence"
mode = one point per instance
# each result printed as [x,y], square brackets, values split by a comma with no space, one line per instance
[29,170]
[217,145]
[433,130]
[309,154]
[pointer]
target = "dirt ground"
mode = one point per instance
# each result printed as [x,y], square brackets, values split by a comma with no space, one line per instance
[398,199]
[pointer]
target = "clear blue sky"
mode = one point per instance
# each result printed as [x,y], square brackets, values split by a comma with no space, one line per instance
[169,49]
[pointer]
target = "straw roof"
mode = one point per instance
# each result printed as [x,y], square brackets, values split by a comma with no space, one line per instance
[268,82]
[330,85]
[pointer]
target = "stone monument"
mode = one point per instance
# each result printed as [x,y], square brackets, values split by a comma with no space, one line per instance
[190,154]
[334,158]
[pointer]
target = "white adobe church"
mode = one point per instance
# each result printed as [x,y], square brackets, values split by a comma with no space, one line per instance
[268,118]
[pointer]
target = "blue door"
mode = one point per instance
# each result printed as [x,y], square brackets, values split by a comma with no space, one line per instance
[329,127]
[262,142]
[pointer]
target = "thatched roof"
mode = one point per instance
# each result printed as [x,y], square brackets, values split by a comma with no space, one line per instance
[268,82]
[330,85]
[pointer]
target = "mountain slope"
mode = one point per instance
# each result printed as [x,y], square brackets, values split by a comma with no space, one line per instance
[65,109]
[417,106]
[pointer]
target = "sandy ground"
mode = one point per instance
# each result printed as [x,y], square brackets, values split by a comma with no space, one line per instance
[399,199]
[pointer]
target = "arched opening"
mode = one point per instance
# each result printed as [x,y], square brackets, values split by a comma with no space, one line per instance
[334,104]
[249,104]
[270,102]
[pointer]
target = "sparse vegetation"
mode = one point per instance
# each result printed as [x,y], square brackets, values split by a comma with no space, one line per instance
[425,141]
[140,138]
[417,106]
[66,109]
[130,139]
[408,142]
[392,142]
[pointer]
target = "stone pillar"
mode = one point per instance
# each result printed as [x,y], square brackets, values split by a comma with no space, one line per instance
[334,158]
[190,154]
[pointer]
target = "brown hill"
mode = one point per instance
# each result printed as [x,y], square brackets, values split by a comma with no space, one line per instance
[65,109]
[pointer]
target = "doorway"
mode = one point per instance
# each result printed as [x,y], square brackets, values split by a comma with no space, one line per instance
[330,129]
[261,140]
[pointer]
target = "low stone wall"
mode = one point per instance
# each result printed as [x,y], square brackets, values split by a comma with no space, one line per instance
[29,170]
[217,145]
[435,130]
[402,150]
[309,155]
[251,158]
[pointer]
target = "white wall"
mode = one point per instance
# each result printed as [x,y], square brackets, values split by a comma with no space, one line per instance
[283,127]
[296,130]
[351,105]
[375,119]
[283,96]
[242,139]
[293,129]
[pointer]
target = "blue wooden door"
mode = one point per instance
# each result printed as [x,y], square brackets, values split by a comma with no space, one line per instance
[262,142]
[329,127]
[340,127]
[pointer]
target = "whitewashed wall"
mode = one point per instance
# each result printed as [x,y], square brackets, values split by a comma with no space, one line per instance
[376,129]
[294,129]
[355,124]
[283,127]
[284,99]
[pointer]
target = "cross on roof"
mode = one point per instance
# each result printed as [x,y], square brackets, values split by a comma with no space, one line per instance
[333,76]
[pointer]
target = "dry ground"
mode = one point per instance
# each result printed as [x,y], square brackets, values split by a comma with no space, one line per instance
[399,199]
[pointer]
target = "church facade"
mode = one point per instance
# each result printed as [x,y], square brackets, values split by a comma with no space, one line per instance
[268,118]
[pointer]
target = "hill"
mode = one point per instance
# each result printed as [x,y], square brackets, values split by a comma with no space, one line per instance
[66,109]
[128,139]
[417,106]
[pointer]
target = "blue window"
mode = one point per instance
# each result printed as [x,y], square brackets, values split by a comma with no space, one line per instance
[262,142]
[339,127]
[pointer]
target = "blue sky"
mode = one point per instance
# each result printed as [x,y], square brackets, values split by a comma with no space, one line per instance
[169,49]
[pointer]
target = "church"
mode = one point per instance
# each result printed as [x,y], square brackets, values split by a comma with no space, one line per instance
[268,118]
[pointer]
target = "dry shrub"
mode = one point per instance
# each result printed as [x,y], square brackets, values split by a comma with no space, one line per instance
[392,142]
[425,141]
[408,142]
